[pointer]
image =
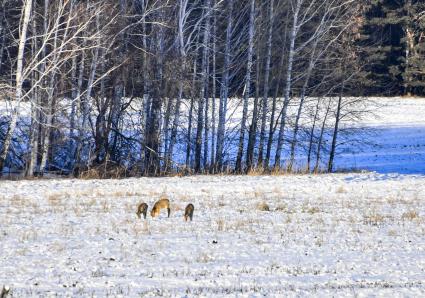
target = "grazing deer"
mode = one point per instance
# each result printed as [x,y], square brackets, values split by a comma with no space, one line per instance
[161,204]
[142,209]
[4,291]
[188,212]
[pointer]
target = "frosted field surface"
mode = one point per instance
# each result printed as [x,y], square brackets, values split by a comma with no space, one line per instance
[389,139]
[395,142]
[338,235]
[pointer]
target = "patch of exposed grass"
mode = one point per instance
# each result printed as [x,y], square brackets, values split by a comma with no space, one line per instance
[220,224]
[55,199]
[373,219]
[341,189]
[410,215]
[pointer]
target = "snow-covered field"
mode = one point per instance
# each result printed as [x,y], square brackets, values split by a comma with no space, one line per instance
[390,139]
[326,235]
[394,141]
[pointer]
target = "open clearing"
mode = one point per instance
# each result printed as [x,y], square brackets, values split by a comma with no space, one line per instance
[341,234]
[394,140]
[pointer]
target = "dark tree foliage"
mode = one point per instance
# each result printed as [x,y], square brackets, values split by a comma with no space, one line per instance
[393,47]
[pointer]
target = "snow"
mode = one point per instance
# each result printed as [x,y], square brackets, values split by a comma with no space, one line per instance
[394,139]
[355,234]
[325,235]
[397,111]
[388,140]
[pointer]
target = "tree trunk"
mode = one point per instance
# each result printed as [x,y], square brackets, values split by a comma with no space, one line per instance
[310,143]
[252,138]
[288,86]
[2,36]
[409,49]
[335,133]
[189,134]
[147,100]
[152,139]
[266,90]
[176,122]
[238,168]
[213,91]
[86,105]
[152,156]
[204,88]
[272,126]
[199,129]
[86,100]
[189,127]
[46,135]
[74,98]
[300,106]
[74,93]
[146,86]
[19,80]
[50,100]
[224,92]
[206,135]
[319,144]
[166,129]
[182,73]
[110,148]
[32,166]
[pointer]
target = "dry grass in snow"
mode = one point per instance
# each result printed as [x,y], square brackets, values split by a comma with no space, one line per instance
[341,235]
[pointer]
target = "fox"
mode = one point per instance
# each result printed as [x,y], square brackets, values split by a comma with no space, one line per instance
[142,209]
[161,204]
[188,212]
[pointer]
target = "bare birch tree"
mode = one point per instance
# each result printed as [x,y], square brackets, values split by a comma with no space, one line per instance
[19,78]
[247,88]
[224,91]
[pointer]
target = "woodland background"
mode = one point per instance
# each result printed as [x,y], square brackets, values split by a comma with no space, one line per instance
[108,88]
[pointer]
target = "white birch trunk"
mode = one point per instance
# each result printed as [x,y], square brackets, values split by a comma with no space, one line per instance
[266,89]
[288,86]
[202,98]
[19,80]
[301,104]
[213,91]
[32,166]
[50,101]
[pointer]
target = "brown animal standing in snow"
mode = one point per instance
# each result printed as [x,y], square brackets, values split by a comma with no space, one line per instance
[188,212]
[4,291]
[161,204]
[142,209]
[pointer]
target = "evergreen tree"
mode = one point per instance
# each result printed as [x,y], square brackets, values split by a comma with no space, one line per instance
[381,41]
[414,43]
[393,40]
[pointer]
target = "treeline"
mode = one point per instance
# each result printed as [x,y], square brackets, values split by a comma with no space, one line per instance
[146,86]
[393,44]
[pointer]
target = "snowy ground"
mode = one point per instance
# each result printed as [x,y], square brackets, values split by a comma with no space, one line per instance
[394,141]
[330,235]
[389,140]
